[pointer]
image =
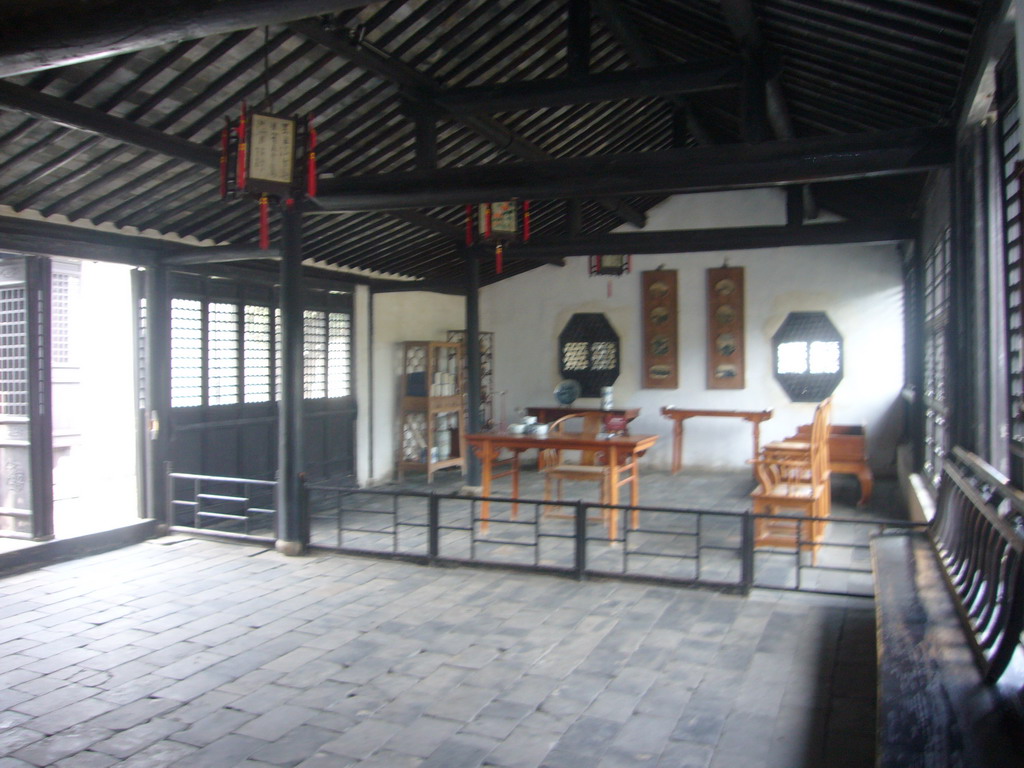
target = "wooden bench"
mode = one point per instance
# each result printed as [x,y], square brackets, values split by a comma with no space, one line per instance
[949,606]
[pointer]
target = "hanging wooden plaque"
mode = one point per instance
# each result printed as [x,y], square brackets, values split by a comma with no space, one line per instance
[725,328]
[661,330]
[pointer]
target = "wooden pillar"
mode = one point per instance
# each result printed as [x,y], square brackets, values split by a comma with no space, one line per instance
[473,403]
[794,206]
[755,99]
[578,38]
[40,402]
[426,142]
[158,392]
[292,518]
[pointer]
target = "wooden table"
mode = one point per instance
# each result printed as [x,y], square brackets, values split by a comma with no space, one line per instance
[679,415]
[548,413]
[623,453]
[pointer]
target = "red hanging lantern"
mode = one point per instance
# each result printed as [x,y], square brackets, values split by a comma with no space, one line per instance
[613,265]
[266,153]
[498,223]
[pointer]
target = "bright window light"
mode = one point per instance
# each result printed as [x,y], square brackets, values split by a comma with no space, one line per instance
[824,357]
[793,357]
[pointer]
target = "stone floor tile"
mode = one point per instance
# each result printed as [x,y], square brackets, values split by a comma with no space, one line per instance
[362,740]
[126,743]
[326,760]
[226,751]
[687,754]
[213,727]
[458,752]
[71,715]
[401,665]
[422,736]
[46,752]
[296,745]
[13,739]
[277,723]
[87,760]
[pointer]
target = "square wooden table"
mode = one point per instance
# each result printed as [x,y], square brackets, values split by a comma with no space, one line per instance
[623,453]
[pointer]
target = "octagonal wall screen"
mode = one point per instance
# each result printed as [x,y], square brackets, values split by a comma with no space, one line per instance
[588,351]
[808,356]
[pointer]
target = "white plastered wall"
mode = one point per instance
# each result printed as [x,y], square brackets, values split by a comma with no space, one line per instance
[396,317]
[858,286]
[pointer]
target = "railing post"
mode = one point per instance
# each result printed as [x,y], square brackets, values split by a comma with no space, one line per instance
[305,524]
[168,495]
[580,520]
[433,526]
[747,552]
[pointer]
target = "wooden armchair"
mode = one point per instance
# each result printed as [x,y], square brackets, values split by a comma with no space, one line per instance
[795,482]
[796,451]
[559,464]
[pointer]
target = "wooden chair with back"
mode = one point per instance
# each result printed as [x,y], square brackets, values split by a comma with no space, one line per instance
[559,464]
[795,482]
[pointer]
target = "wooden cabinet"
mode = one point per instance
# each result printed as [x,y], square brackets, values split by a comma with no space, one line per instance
[431,408]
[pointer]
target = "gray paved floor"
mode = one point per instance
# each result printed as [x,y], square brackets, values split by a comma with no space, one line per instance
[180,652]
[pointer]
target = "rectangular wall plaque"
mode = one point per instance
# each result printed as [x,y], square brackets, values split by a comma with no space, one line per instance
[661,329]
[725,328]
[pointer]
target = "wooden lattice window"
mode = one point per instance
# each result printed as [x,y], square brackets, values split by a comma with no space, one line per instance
[1013,268]
[808,356]
[588,350]
[937,294]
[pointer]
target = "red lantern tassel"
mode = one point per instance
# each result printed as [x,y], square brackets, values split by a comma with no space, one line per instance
[311,162]
[487,221]
[499,258]
[240,177]
[224,160]
[469,225]
[526,221]
[264,222]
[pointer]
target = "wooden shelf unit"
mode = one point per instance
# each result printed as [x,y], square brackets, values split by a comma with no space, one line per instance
[431,426]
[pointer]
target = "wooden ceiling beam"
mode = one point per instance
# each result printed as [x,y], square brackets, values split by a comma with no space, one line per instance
[96,121]
[40,36]
[420,89]
[673,171]
[610,86]
[625,31]
[739,17]
[725,239]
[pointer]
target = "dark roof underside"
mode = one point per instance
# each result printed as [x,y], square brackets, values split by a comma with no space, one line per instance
[841,66]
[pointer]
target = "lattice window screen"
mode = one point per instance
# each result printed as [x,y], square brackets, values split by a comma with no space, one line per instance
[222,355]
[339,355]
[314,354]
[13,352]
[937,286]
[1009,126]
[65,288]
[186,352]
[256,354]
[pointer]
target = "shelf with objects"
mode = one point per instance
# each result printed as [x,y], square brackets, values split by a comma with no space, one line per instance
[431,408]
[486,373]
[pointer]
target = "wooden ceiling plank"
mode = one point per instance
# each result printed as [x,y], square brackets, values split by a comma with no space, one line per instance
[612,86]
[421,84]
[42,38]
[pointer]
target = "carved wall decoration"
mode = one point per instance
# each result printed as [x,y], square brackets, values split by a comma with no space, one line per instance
[661,329]
[725,328]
